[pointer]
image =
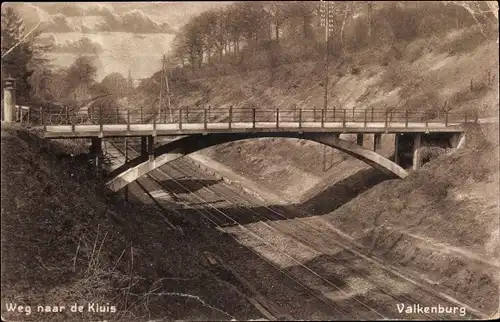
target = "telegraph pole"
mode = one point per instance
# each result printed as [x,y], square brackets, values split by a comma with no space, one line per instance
[326,19]
[168,88]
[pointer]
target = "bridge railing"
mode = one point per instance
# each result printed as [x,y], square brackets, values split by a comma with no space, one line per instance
[229,115]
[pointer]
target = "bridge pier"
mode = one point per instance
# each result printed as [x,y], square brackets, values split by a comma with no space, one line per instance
[377,139]
[359,139]
[144,151]
[147,147]
[151,148]
[397,150]
[96,151]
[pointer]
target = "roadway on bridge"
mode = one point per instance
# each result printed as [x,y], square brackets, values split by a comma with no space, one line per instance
[115,130]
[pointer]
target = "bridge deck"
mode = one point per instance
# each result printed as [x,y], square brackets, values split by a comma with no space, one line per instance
[124,130]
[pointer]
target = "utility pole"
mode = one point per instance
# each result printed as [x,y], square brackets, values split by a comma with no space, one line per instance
[161,83]
[168,88]
[326,10]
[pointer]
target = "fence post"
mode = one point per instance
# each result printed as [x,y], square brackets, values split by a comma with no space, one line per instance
[180,118]
[253,117]
[314,114]
[117,114]
[230,115]
[141,113]
[277,118]
[322,118]
[353,113]
[426,122]
[187,114]
[446,119]
[465,121]
[372,113]
[67,113]
[406,118]
[205,119]
[300,118]
[209,108]
[333,114]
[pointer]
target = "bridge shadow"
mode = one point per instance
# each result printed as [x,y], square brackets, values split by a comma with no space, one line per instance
[343,191]
[226,213]
[183,186]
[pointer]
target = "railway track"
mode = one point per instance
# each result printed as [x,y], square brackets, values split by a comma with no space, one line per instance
[371,295]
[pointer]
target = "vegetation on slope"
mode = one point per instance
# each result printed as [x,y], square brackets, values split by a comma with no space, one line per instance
[441,221]
[66,240]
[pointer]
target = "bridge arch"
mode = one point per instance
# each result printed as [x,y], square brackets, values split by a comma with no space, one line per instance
[173,150]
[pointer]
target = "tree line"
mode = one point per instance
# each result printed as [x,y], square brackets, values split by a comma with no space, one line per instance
[275,32]
[37,81]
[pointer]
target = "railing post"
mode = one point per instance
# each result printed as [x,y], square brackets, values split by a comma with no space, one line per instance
[117,114]
[253,118]
[187,114]
[386,119]
[446,119]
[205,119]
[353,113]
[128,119]
[154,120]
[322,118]
[41,115]
[406,118]
[333,114]
[343,119]
[142,114]
[277,118]
[300,118]
[73,122]
[372,113]
[465,121]
[100,117]
[366,115]
[477,116]
[67,113]
[209,108]
[426,121]
[180,118]
[314,114]
[230,115]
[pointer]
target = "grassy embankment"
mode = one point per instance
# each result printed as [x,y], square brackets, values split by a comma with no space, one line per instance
[429,72]
[65,239]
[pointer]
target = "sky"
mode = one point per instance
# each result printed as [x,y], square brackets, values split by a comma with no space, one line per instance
[128,35]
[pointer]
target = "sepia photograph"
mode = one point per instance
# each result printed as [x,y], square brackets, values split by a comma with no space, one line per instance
[250,161]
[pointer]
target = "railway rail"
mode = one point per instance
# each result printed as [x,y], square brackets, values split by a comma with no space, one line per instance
[267,223]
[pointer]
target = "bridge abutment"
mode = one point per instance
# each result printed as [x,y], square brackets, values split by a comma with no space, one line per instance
[408,147]
[417,151]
